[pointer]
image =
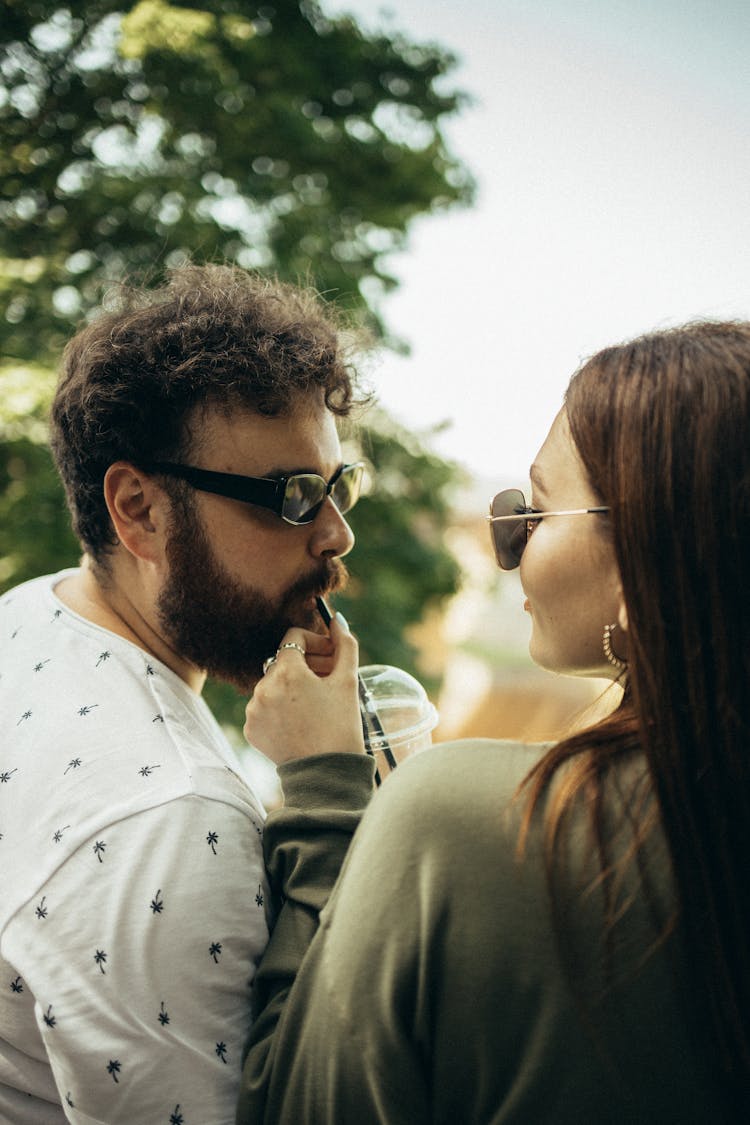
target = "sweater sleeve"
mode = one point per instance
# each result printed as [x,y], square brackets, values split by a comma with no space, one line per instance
[347,1042]
[305,843]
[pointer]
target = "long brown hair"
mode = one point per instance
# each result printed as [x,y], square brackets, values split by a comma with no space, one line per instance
[662,425]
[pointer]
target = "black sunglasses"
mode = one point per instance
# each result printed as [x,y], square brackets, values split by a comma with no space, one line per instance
[297,499]
[511,522]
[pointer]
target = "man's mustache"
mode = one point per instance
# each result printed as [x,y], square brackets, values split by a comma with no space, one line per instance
[330,577]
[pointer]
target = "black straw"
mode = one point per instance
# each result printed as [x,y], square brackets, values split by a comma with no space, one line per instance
[367,709]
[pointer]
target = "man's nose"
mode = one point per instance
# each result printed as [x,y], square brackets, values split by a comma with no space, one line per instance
[331,536]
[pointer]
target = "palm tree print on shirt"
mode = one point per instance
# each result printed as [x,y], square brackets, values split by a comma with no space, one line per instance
[98,850]
[215,950]
[163,1015]
[73,764]
[212,839]
[49,1019]
[114,1067]
[157,904]
[41,910]
[16,985]
[176,1117]
[221,1050]
[8,775]
[100,957]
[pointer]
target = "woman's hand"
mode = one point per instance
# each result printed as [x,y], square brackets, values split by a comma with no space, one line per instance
[308,704]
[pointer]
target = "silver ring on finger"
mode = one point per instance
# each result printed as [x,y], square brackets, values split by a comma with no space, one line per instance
[268,662]
[291,644]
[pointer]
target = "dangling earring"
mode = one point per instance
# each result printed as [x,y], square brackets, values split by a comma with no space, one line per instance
[620,665]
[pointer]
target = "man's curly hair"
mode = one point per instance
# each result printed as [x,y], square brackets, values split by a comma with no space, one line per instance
[212,335]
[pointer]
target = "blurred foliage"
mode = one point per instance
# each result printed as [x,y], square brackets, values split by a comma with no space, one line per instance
[35,532]
[269,135]
[399,567]
[135,135]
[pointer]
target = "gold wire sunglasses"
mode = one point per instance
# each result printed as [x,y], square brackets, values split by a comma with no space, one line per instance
[510,522]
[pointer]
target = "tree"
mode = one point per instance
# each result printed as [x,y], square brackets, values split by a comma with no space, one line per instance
[35,532]
[134,135]
[264,134]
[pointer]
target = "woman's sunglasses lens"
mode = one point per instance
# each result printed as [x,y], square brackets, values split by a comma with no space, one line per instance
[509,536]
[518,537]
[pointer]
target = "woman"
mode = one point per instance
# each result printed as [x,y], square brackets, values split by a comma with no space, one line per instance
[526,935]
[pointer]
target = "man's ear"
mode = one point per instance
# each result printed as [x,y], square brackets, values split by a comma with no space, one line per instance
[137,508]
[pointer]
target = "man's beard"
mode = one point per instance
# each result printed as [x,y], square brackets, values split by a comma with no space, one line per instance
[221,626]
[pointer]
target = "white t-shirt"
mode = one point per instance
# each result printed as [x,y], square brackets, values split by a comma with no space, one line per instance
[132,891]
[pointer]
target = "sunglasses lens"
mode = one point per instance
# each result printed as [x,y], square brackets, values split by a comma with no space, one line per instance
[345,492]
[306,492]
[509,536]
[303,497]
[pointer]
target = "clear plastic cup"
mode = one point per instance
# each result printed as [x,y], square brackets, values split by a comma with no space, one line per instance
[406,715]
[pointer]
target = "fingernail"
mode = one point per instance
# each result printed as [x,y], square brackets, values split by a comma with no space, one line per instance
[342,621]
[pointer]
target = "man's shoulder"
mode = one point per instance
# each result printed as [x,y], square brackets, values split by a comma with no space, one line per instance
[30,615]
[28,593]
[67,794]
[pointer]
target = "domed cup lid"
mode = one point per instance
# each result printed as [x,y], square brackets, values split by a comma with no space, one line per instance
[401,703]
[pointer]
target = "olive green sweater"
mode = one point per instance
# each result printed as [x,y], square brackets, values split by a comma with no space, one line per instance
[430,986]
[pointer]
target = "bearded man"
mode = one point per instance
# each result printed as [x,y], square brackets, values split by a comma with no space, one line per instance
[194,428]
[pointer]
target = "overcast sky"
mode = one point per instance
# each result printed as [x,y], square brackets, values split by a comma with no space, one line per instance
[610,144]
